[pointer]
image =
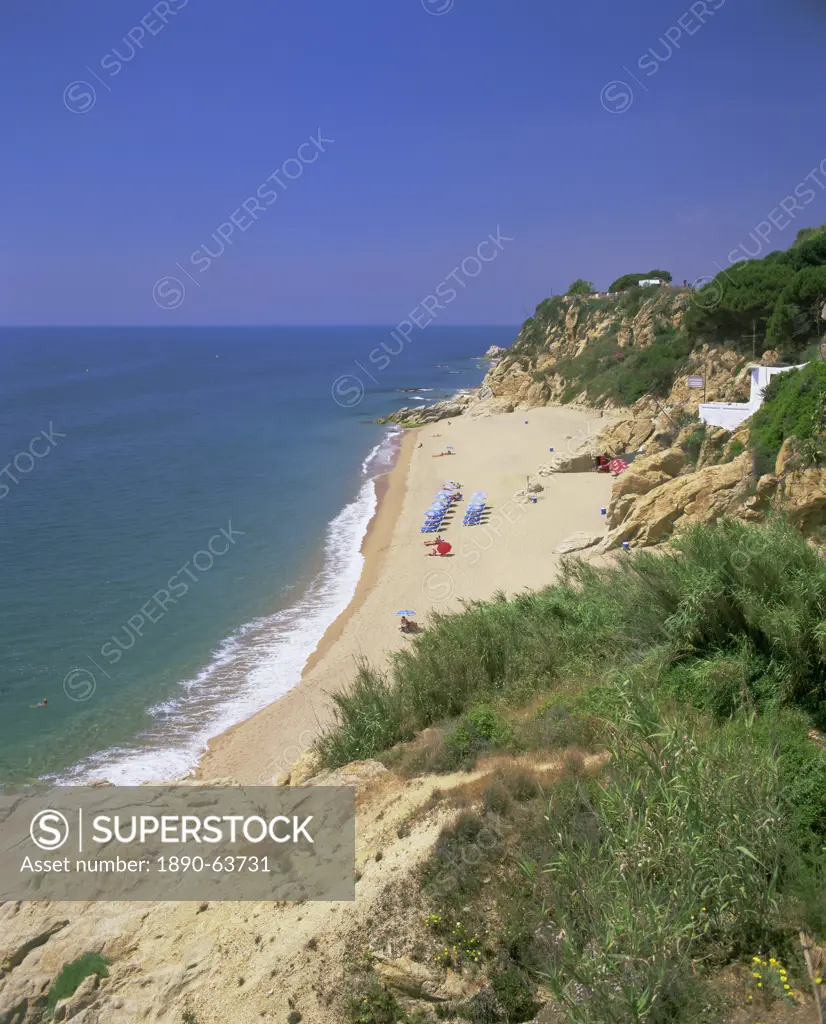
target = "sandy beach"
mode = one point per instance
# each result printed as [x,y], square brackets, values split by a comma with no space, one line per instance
[514,550]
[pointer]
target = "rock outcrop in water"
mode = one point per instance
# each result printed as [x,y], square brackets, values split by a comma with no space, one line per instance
[421,415]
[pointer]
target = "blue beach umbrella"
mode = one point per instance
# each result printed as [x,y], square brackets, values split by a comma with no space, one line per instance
[405,611]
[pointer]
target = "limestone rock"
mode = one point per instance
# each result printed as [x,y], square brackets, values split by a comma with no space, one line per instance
[13,955]
[418,416]
[526,377]
[410,977]
[535,488]
[578,542]
[624,436]
[787,458]
[457,988]
[308,765]
[726,377]
[360,774]
[643,475]
[766,486]
[628,488]
[84,996]
[671,462]
[578,462]
[418,981]
[804,497]
[701,497]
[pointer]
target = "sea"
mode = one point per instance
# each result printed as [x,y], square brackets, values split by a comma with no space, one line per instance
[181,515]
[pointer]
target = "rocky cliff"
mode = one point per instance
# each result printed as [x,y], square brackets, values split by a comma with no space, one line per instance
[602,352]
[597,352]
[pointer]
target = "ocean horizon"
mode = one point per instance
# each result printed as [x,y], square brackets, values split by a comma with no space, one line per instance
[183,510]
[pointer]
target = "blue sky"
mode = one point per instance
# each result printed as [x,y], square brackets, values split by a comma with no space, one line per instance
[450,119]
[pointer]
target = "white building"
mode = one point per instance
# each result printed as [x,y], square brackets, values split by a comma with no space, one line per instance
[650,281]
[730,415]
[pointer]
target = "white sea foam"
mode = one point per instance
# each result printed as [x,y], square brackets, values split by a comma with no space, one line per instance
[255,665]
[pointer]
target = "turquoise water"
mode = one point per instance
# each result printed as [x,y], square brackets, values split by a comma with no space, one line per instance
[127,452]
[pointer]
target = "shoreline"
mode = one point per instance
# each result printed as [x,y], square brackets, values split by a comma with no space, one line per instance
[390,492]
[514,551]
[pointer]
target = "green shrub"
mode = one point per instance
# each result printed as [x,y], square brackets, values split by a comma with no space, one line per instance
[776,299]
[794,405]
[630,280]
[738,303]
[371,718]
[693,443]
[677,865]
[72,974]
[372,1003]
[480,729]
[603,370]
[624,892]
[515,993]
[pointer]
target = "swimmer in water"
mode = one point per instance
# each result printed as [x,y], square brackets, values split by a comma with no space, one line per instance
[43,704]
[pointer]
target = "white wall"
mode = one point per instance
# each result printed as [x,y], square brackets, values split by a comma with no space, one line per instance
[730,415]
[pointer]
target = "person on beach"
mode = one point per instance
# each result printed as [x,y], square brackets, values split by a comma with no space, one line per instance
[406,626]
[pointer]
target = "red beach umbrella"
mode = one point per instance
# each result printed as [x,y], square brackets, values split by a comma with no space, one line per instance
[617,466]
[443,547]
